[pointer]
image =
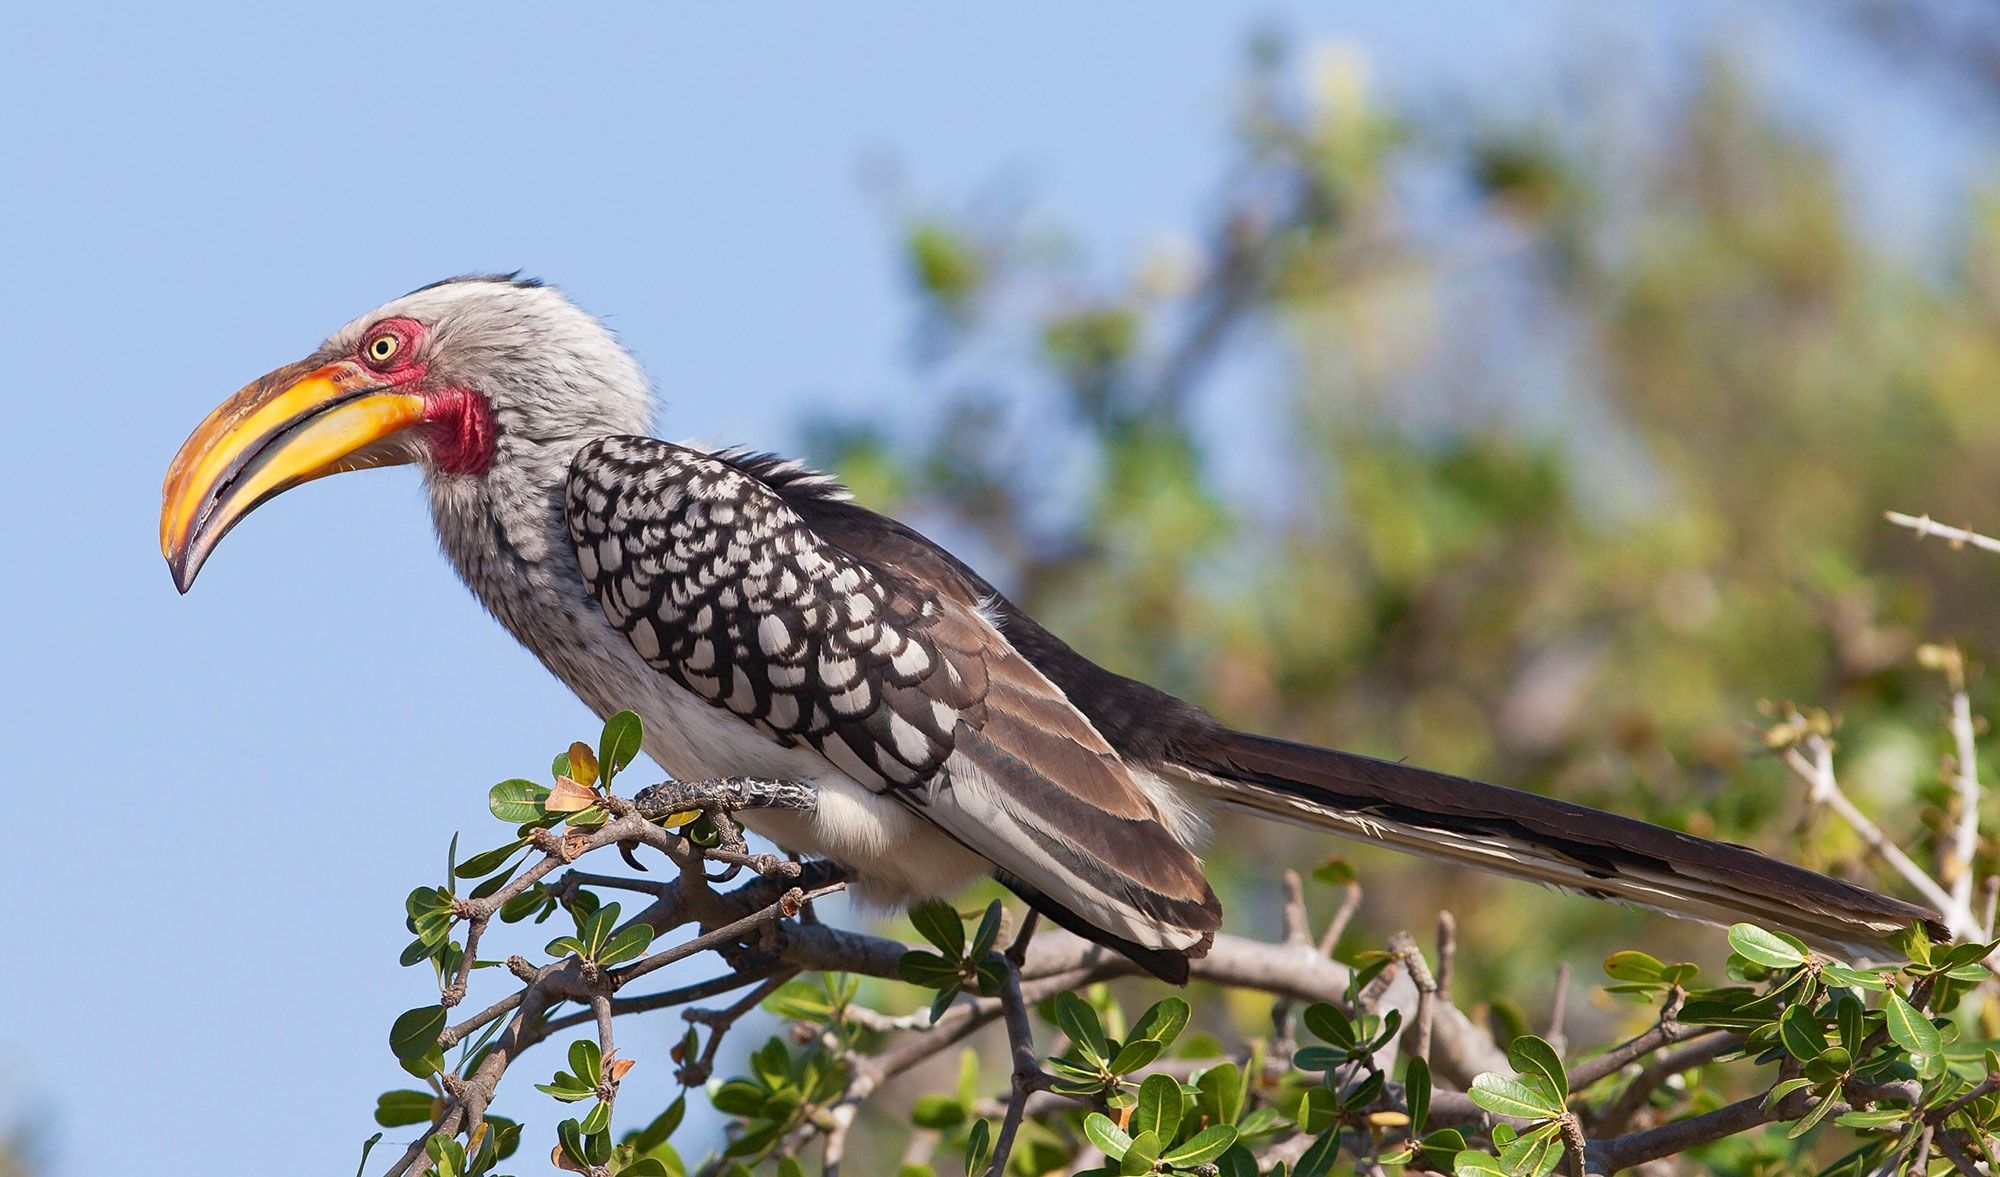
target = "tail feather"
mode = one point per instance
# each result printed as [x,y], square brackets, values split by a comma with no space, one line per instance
[1529,836]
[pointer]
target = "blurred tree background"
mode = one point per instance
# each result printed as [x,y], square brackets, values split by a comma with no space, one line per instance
[1567,439]
[1548,445]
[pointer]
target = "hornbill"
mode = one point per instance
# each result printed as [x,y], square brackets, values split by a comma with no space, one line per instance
[765,625]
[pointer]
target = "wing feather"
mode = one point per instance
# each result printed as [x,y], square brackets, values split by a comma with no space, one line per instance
[898,678]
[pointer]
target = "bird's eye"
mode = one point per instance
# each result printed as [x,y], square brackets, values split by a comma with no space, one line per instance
[384,347]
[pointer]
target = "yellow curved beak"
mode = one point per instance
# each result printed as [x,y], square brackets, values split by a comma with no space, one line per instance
[291,426]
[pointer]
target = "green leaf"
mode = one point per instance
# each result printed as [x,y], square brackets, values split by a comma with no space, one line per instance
[1534,1152]
[1336,872]
[1799,1030]
[619,743]
[1203,1147]
[1873,1119]
[1812,1118]
[529,902]
[1417,1093]
[395,1109]
[367,1146]
[1330,1024]
[646,1167]
[1159,1107]
[1911,1030]
[1914,944]
[516,801]
[1773,950]
[630,944]
[1476,1164]
[1163,1021]
[416,1031]
[1830,1065]
[596,927]
[938,923]
[927,969]
[423,1066]
[597,1119]
[988,933]
[1534,1057]
[427,900]
[1320,1159]
[656,1133]
[738,1097]
[937,1112]
[1135,1054]
[567,1088]
[1107,1136]
[978,1148]
[1634,966]
[486,863]
[942,1002]
[1236,1162]
[1506,1096]
[1839,974]
[586,1061]
[1140,1155]
[756,1139]
[1316,1110]
[1221,1088]
[1851,1022]
[1076,1019]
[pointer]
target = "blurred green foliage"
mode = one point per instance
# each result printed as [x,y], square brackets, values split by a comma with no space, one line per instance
[1553,479]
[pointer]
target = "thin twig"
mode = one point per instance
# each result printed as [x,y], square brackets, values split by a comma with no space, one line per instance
[1616,1114]
[1028,1076]
[1447,949]
[1559,1012]
[1350,902]
[1404,946]
[1297,930]
[1924,525]
[1817,771]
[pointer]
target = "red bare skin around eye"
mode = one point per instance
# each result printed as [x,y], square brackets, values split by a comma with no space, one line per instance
[458,422]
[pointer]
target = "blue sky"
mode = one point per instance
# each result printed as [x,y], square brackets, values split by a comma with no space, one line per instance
[224,798]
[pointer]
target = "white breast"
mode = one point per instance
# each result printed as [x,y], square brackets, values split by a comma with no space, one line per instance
[895,854]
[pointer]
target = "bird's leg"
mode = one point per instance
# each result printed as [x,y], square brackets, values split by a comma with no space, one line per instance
[724,795]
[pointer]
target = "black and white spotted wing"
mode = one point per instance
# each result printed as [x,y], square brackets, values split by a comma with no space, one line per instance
[887,664]
[719,584]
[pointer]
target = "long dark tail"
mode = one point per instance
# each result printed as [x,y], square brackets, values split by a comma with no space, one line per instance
[1529,836]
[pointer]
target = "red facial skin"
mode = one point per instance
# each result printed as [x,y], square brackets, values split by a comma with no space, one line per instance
[458,422]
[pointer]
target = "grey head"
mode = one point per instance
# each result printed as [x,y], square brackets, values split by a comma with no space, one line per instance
[489,384]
